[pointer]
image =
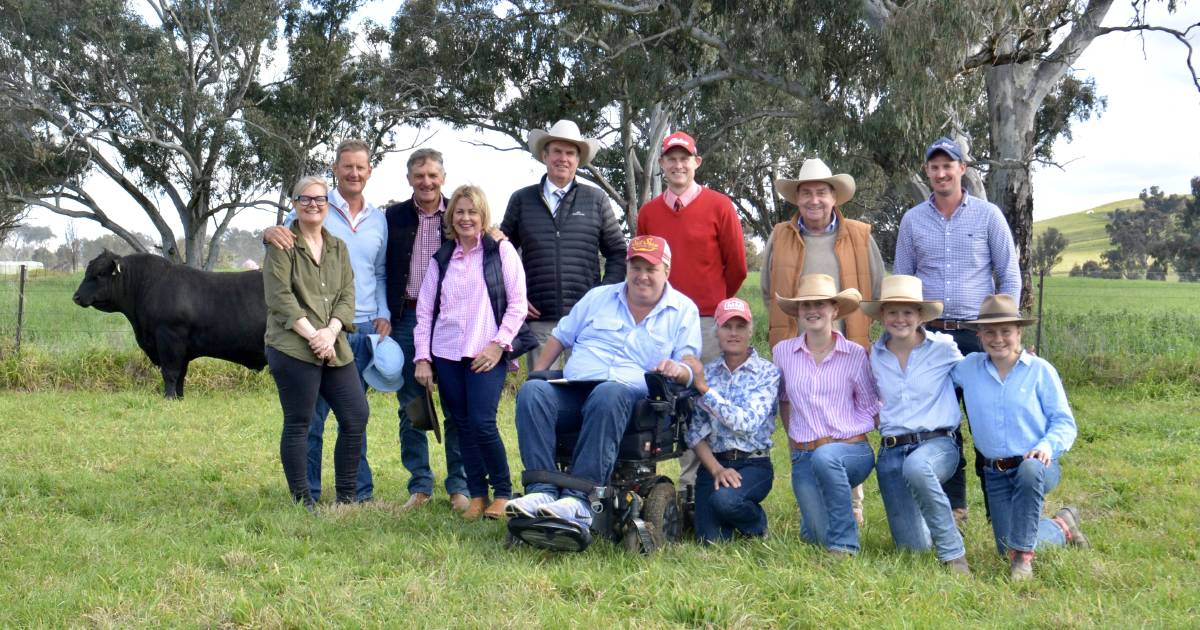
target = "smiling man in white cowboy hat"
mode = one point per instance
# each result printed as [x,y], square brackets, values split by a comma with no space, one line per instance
[819,239]
[919,420]
[562,228]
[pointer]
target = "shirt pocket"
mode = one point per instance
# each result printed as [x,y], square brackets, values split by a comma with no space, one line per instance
[979,251]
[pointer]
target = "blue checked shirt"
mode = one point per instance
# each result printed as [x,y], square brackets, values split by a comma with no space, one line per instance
[738,410]
[958,258]
[920,397]
[607,345]
[1027,410]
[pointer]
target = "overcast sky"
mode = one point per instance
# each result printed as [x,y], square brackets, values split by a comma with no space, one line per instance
[1149,135]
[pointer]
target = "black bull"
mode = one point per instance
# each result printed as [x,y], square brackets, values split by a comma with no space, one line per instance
[179,313]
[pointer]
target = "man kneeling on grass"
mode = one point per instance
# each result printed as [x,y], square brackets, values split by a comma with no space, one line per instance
[731,430]
[616,334]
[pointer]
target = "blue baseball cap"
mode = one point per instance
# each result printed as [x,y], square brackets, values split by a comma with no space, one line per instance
[945,145]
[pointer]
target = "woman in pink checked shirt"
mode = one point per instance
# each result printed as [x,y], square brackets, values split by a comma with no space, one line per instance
[469,312]
[829,403]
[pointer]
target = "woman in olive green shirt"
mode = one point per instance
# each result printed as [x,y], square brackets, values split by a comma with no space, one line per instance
[310,305]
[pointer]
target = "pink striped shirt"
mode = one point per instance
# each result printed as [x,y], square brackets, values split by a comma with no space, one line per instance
[836,399]
[466,323]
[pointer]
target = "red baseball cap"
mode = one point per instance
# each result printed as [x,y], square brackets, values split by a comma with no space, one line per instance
[651,248]
[733,307]
[679,139]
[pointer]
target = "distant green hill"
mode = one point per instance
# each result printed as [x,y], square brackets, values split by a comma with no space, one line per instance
[1085,233]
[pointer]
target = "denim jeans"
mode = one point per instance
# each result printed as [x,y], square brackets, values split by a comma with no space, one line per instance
[721,512]
[821,480]
[599,413]
[299,383]
[414,443]
[360,343]
[956,486]
[918,512]
[470,400]
[1016,497]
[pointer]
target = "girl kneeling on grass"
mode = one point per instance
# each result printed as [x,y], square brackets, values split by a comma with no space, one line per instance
[1021,423]
[829,401]
[919,420]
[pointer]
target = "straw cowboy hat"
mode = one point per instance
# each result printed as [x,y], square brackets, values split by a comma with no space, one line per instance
[999,309]
[814,170]
[566,131]
[818,286]
[902,290]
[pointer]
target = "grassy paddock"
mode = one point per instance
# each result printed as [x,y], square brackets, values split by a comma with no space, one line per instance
[120,509]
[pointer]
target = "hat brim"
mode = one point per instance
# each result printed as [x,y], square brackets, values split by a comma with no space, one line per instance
[423,415]
[588,147]
[929,310]
[847,302]
[1020,321]
[842,184]
[381,380]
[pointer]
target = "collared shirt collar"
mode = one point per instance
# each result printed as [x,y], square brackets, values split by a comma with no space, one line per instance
[664,302]
[339,204]
[441,207]
[839,342]
[966,196]
[548,187]
[686,198]
[881,343]
[750,365]
[829,229]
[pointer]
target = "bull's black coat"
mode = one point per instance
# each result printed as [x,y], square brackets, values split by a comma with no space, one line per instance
[179,313]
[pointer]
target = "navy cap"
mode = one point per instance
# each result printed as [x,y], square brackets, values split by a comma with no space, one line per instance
[945,145]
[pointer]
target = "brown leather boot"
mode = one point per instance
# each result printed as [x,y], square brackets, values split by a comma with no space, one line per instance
[475,509]
[496,509]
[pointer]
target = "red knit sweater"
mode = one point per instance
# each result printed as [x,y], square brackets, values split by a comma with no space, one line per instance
[708,253]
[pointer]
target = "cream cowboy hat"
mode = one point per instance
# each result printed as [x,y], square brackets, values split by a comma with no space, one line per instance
[814,170]
[566,131]
[818,286]
[902,290]
[999,309]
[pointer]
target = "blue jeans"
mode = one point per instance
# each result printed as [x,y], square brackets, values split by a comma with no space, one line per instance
[821,480]
[364,486]
[1016,497]
[721,512]
[956,486]
[471,400]
[918,511]
[414,444]
[599,413]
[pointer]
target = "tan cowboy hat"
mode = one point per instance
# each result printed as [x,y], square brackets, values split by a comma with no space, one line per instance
[902,290]
[814,170]
[999,309]
[818,286]
[566,131]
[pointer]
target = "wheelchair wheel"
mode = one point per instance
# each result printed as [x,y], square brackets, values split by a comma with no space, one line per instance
[661,513]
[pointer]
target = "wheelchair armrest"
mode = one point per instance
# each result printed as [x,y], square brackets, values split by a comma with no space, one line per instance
[545,375]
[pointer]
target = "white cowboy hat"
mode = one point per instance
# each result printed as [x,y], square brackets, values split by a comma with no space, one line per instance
[814,170]
[902,290]
[818,286]
[999,309]
[566,131]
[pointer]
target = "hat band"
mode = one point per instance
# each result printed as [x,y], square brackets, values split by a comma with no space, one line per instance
[999,316]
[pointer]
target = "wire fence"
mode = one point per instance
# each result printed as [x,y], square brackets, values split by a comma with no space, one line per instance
[1081,317]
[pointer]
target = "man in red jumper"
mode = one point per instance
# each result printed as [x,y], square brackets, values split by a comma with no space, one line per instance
[705,235]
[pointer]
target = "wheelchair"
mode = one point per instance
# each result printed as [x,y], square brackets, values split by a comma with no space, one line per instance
[638,508]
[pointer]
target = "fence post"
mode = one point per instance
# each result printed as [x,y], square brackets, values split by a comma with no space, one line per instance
[1038,343]
[20,307]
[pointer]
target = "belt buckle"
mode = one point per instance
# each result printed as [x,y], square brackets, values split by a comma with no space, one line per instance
[999,465]
[890,441]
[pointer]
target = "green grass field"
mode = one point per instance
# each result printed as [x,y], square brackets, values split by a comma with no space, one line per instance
[1086,237]
[120,509]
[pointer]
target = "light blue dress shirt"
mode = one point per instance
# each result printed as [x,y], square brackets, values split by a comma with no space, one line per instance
[920,397]
[367,244]
[738,410]
[1027,410]
[548,194]
[958,258]
[606,344]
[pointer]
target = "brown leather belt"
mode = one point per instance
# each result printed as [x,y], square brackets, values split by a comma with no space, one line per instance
[946,324]
[1006,463]
[818,443]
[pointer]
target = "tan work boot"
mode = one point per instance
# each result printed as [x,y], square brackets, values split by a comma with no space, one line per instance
[475,509]
[415,501]
[459,502]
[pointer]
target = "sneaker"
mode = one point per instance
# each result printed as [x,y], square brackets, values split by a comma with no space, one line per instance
[1069,517]
[527,506]
[1021,567]
[958,565]
[569,509]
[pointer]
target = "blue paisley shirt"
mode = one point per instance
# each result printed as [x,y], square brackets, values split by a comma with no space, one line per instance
[738,411]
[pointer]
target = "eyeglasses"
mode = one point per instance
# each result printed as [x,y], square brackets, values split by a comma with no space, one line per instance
[305,200]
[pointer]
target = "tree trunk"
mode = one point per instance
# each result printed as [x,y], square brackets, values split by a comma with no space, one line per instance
[1011,121]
